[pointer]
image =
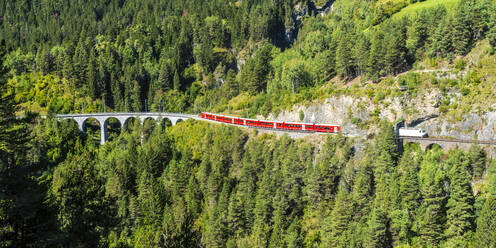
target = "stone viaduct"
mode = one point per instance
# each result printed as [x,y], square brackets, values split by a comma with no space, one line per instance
[123,118]
[449,144]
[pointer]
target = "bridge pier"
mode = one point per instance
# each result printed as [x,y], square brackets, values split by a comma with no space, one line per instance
[103,134]
[80,121]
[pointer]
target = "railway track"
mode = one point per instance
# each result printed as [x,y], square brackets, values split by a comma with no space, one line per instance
[483,142]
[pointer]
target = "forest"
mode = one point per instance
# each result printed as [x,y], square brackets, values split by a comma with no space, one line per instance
[204,185]
[218,55]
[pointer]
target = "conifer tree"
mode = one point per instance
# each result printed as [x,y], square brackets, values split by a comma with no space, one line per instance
[491,35]
[461,28]
[177,82]
[336,224]
[293,236]
[477,160]
[409,189]
[376,57]
[441,42]
[431,217]
[164,76]
[485,236]
[362,190]
[236,217]
[460,210]
[377,235]
[91,78]
[345,66]
[16,209]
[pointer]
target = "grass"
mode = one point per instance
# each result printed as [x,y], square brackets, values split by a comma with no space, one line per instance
[414,8]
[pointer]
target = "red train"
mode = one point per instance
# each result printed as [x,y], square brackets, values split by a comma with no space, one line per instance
[307,127]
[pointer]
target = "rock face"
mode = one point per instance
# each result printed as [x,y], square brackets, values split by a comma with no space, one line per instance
[359,116]
[472,126]
[334,110]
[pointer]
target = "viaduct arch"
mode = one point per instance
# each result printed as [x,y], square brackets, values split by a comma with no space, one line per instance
[123,118]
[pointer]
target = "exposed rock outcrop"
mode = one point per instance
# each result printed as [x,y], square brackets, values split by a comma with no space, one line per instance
[359,116]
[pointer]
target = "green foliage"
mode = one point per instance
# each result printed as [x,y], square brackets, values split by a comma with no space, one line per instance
[460,210]
[335,225]
[431,216]
[485,235]
[146,55]
[84,212]
[199,183]
[255,73]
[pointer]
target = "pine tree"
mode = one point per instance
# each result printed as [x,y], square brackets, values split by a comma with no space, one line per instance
[477,160]
[460,213]
[236,217]
[440,41]
[485,236]
[177,82]
[377,52]
[396,52]
[461,38]
[293,236]
[91,78]
[431,215]
[491,35]
[417,34]
[362,190]
[17,197]
[336,224]
[345,65]
[409,190]
[68,67]
[164,76]
[378,235]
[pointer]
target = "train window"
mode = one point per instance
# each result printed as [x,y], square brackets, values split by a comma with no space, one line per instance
[293,125]
[265,123]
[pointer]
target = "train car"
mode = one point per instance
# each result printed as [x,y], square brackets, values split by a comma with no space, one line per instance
[323,128]
[226,119]
[293,126]
[251,122]
[308,127]
[266,124]
[207,116]
[238,121]
[408,132]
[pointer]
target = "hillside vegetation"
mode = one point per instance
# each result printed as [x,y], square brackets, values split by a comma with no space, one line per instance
[199,184]
[421,5]
[205,185]
[190,57]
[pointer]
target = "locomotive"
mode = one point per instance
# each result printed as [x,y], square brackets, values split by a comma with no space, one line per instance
[277,125]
